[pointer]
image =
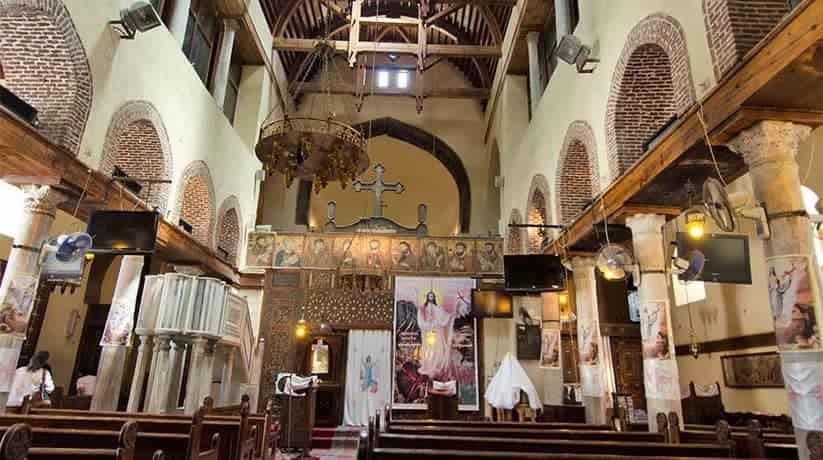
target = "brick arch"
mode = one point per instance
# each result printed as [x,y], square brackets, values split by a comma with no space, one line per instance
[137,142]
[195,202]
[515,237]
[229,232]
[578,176]
[652,81]
[734,27]
[45,64]
[537,213]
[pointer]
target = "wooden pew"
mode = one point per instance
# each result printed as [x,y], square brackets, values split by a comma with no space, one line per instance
[530,433]
[265,441]
[474,423]
[751,443]
[547,446]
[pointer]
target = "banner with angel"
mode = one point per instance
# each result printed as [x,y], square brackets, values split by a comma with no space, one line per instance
[435,339]
[794,303]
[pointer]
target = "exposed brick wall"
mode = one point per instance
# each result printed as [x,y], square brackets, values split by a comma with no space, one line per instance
[136,141]
[515,238]
[652,80]
[229,230]
[578,177]
[537,213]
[734,27]
[45,64]
[195,202]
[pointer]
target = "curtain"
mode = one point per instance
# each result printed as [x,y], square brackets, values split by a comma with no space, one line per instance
[368,375]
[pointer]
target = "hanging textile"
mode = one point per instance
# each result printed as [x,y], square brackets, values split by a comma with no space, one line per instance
[503,391]
[368,375]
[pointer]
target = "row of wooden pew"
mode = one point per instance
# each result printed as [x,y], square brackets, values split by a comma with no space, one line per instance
[438,439]
[210,434]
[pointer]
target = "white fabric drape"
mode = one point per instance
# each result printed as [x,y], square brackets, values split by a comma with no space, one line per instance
[368,375]
[503,391]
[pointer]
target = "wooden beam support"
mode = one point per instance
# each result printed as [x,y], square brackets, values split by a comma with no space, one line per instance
[796,35]
[305,45]
[447,93]
[354,31]
[335,9]
[26,152]
[492,22]
[444,13]
[285,17]
[746,117]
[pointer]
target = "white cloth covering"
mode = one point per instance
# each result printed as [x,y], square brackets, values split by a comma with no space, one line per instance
[368,375]
[27,382]
[293,384]
[503,391]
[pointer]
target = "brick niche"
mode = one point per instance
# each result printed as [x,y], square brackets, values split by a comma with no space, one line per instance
[734,27]
[652,81]
[578,178]
[515,236]
[228,234]
[44,63]
[537,213]
[195,202]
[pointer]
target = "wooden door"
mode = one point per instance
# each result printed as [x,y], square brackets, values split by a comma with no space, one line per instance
[88,351]
[628,368]
[331,393]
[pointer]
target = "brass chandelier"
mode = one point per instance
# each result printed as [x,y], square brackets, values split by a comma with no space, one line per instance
[313,146]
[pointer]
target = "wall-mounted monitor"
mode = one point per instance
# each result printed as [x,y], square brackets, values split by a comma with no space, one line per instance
[491,303]
[726,256]
[123,232]
[534,273]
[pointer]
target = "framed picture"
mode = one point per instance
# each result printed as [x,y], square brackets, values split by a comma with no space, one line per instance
[754,370]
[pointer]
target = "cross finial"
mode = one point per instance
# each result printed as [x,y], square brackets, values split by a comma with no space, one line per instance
[378,187]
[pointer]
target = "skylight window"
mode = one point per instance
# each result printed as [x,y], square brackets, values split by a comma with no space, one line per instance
[403,80]
[383,79]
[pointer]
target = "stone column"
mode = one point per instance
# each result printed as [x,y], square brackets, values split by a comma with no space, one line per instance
[589,342]
[194,383]
[223,64]
[23,273]
[179,19]
[535,69]
[660,377]
[562,19]
[114,349]
[161,379]
[769,149]
[141,368]
[553,379]
[225,380]
[208,372]
[178,360]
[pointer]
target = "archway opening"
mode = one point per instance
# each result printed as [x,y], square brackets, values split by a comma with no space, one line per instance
[575,187]
[195,208]
[228,235]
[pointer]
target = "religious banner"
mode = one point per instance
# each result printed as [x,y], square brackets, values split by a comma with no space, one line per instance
[804,384]
[289,251]
[435,339]
[591,381]
[368,372]
[260,249]
[404,253]
[8,366]
[120,320]
[588,344]
[661,379]
[489,256]
[319,252]
[794,303]
[654,327]
[433,257]
[550,347]
[461,256]
[17,303]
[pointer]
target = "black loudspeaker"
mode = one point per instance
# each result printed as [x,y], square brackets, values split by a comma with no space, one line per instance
[18,106]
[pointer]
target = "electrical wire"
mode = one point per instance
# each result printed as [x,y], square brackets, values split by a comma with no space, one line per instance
[809,165]
[708,141]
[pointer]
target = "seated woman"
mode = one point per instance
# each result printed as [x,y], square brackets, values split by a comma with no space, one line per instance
[34,380]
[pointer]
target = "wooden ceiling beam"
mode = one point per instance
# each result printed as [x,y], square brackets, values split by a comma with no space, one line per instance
[790,41]
[466,51]
[335,9]
[447,93]
[286,16]
[746,117]
[491,21]
[444,13]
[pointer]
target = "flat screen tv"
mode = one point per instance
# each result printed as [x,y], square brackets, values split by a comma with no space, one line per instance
[491,303]
[123,232]
[534,273]
[726,255]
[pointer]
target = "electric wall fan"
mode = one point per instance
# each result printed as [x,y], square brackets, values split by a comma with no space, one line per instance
[615,263]
[725,208]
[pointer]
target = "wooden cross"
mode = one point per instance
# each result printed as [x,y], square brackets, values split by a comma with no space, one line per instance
[378,187]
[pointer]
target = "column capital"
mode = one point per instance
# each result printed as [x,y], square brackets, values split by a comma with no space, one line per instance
[42,198]
[646,223]
[583,263]
[769,141]
[231,23]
